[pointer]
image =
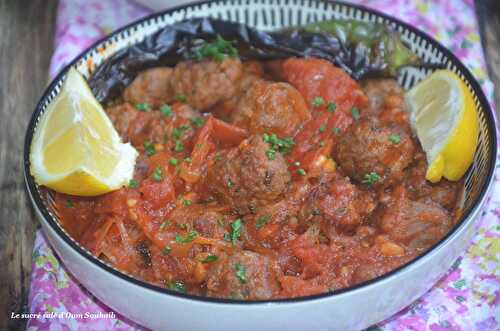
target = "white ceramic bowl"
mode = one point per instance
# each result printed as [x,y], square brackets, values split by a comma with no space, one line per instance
[348,309]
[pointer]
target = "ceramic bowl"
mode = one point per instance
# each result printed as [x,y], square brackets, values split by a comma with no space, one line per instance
[352,308]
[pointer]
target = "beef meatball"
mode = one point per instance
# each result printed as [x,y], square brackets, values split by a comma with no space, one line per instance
[270,107]
[414,223]
[444,193]
[246,275]
[199,218]
[375,154]
[206,83]
[337,201]
[245,177]
[152,86]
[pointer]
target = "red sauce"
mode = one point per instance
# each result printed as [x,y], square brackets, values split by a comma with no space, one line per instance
[224,208]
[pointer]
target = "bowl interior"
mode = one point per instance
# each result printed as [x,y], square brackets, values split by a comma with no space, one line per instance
[272,15]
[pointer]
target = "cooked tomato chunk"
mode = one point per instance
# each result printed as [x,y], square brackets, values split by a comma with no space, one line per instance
[269,107]
[245,177]
[375,154]
[245,275]
[204,84]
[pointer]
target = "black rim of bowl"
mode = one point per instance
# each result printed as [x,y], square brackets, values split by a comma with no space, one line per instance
[31,185]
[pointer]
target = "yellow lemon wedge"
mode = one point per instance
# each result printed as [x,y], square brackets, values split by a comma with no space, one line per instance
[444,117]
[75,149]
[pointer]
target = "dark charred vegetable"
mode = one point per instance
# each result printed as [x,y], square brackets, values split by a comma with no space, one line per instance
[358,48]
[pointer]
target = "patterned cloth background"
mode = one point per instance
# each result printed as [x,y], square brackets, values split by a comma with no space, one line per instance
[466,298]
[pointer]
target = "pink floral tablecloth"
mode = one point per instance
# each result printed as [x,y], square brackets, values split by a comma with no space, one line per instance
[466,298]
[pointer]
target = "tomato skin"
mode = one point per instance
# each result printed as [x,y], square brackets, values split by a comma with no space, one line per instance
[319,78]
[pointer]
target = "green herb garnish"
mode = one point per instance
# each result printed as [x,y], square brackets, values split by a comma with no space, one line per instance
[167,250]
[210,258]
[355,113]
[186,202]
[240,272]
[181,98]
[133,183]
[331,107]
[167,110]
[301,172]
[371,178]
[395,139]
[322,128]
[235,233]
[149,148]
[69,204]
[157,174]
[173,161]
[177,286]
[281,145]
[335,130]
[198,122]
[187,239]
[262,220]
[271,154]
[318,101]
[179,146]
[143,107]
[216,50]
[164,225]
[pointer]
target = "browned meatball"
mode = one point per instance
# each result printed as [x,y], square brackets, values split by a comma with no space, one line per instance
[245,275]
[245,177]
[152,86]
[271,107]
[444,193]
[197,217]
[371,150]
[414,223]
[206,83]
[339,202]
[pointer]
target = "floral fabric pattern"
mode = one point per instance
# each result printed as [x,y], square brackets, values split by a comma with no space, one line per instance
[466,298]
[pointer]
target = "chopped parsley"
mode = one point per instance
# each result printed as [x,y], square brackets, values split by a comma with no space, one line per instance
[318,101]
[322,143]
[133,183]
[167,110]
[230,183]
[179,146]
[371,178]
[187,159]
[157,174]
[395,139]
[149,148]
[280,145]
[262,220]
[240,272]
[181,98]
[301,172]
[216,50]
[335,130]
[186,202]
[187,239]
[322,128]
[143,107]
[235,233]
[177,286]
[210,258]
[198,122]
[69,204]
[167,250]
[355,113]
[164,225]
[331,107]
[176,133]
[173,161]
[271,154]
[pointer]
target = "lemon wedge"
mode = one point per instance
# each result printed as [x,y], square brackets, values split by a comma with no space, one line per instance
[444,117]
[75,149]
